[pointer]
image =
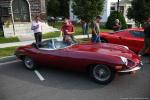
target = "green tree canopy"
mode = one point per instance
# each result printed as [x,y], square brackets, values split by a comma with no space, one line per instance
[113,16]
[87,9]
[139,11]
[58,8]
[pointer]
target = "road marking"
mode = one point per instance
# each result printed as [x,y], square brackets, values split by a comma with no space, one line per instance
[39,75]
[10,62]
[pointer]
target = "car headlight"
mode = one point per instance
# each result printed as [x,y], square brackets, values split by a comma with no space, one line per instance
[124,60]
[126,47]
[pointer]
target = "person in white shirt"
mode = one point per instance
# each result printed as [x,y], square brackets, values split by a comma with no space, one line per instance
[37,29]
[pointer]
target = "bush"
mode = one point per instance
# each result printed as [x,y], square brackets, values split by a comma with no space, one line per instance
[111,20]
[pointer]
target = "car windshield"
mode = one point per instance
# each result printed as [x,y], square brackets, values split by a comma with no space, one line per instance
[53,44]
[138,34]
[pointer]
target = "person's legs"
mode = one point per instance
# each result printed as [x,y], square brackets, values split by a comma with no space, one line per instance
[148,43]
[93,38]
[40,38]
[84,29]
[87,29]
[72,37]
[98,39]
[36,37]
[142,52]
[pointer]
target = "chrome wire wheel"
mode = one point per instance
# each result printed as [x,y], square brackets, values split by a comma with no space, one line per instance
[29,63]
[101,72]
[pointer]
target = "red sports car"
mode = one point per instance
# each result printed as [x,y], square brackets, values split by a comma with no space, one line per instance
[101,60]
[132,38]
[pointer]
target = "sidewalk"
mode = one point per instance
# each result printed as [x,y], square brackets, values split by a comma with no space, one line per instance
[5,45]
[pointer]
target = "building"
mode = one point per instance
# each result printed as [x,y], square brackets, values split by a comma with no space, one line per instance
[18,14]
[110,6]
[22,10]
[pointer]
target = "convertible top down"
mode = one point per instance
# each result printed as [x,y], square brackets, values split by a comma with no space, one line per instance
[100,60]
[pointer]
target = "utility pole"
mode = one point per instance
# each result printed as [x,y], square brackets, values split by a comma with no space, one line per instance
[117,8]
[1,21]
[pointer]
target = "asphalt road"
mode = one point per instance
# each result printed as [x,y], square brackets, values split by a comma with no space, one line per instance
[17,83]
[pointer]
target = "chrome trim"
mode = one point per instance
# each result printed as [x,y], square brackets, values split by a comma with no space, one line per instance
[130,70]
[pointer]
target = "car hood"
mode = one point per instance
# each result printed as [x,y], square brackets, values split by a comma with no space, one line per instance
[105,49]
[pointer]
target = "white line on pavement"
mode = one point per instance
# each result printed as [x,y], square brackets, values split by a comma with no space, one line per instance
[39,75]
[10,62]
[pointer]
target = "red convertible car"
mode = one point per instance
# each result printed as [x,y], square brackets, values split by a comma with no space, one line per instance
[101,60]
[132,38]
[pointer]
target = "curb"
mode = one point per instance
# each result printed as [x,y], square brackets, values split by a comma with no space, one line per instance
[8,59]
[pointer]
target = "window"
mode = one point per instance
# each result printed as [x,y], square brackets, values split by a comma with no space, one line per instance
[4,11]
[21,10]
[138,34]
[122,9]
[112,9]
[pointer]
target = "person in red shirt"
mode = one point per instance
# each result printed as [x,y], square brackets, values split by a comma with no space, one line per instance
[67,31]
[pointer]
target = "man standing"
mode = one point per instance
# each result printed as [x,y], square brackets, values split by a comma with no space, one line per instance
[67,31]
[146,38]
[37,28]
[96,30]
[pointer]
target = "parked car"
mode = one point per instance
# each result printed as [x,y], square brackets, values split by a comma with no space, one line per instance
[132,38]
[101,60]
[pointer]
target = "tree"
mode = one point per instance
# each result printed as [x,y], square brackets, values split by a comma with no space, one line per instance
[113,16]
[139,11]
[53,8]
[87,9]
[58,8]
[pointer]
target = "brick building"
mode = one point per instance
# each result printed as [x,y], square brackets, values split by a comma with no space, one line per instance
[21,10]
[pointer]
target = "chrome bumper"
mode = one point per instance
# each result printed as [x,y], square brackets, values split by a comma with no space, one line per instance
[130,70]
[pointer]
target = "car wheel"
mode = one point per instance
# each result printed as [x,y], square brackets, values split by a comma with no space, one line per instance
[29,63]
[102,74]
[104,40]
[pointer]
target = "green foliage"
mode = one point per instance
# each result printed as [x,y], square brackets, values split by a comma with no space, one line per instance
[87,9]
[111,20]
[58,8]
[7,51]
[52,8]
[8,40]
[139,11]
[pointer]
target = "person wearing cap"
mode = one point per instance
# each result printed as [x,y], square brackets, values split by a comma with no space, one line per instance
[95,25]
[146,38]
[117,25]
[37,28]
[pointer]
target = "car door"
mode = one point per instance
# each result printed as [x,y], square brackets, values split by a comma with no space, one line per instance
[134,39]
[51,57]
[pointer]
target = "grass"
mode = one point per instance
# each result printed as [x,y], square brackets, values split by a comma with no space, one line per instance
[51,35]
[7,51]
[8,40]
